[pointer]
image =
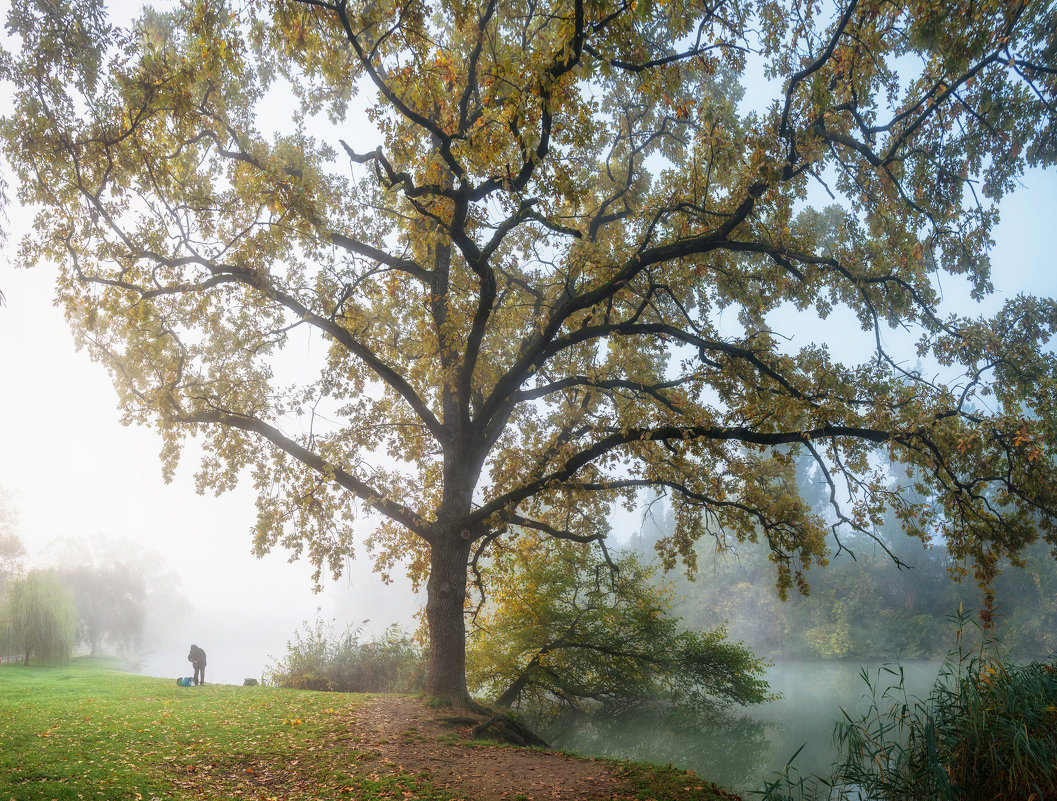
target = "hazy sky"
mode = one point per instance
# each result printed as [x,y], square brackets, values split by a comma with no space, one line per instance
[76,471]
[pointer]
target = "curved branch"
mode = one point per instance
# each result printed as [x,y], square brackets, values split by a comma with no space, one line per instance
[383,87]
[551,531]
[409,266]
[503,504]
[395,511]
[471,70]
[251,278]
[814,66]
[673,58]
[653,390]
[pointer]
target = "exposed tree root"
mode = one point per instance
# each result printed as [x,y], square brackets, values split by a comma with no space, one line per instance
[495,725]
[507,730]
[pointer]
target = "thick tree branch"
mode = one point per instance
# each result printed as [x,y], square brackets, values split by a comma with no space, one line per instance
[505,503]
[361,489]
[498,405]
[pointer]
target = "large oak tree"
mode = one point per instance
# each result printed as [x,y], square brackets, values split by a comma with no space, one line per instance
[554,260]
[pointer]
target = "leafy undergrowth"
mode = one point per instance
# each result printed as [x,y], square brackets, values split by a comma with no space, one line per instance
[83,731]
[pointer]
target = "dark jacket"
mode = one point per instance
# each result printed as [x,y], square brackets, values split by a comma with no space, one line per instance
[197,656]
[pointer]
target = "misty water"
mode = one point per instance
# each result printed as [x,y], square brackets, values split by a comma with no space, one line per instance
[755,743]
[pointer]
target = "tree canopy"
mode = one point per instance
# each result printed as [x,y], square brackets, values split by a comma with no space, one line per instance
[110,605]
[548,257]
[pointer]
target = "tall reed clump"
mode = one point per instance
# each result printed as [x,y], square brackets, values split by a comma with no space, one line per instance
[987,730]
[319,658]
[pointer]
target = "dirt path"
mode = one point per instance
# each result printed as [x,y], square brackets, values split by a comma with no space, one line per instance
[405,736]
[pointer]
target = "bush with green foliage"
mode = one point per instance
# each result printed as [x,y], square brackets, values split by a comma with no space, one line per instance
[563,632]
[319,658]
[987,730]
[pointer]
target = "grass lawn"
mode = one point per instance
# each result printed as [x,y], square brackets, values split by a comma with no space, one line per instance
[85,731]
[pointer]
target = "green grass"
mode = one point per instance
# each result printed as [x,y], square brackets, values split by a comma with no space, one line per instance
[648,782]
[87,732]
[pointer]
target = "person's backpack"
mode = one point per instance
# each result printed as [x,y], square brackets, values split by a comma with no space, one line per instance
[185,681]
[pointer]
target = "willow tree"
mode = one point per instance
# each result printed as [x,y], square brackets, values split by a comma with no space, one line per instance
[554,260]
[39,617]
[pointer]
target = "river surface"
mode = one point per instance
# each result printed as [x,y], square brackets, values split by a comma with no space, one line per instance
[754,743]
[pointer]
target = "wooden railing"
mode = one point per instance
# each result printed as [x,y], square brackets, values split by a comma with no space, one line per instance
[4,660]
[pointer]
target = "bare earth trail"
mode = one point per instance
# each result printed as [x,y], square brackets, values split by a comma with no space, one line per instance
[405,736]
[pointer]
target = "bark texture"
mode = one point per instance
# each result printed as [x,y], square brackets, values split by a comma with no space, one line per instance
[445,609]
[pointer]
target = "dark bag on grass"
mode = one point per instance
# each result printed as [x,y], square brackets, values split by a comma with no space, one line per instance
[185,681]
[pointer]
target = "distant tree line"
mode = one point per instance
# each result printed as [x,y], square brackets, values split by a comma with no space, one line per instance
[37,613]
[46,613]
[97,595]
[38,618]
[862,606]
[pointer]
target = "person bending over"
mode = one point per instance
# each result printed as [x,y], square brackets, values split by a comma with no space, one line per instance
[197,658]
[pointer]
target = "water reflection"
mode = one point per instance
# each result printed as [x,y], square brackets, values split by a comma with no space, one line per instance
[741,751]
[737,746]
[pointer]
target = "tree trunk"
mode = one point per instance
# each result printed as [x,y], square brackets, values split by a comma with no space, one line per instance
[445,609]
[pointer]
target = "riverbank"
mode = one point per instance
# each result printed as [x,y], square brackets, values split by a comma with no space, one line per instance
[87,732]
[746,747]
